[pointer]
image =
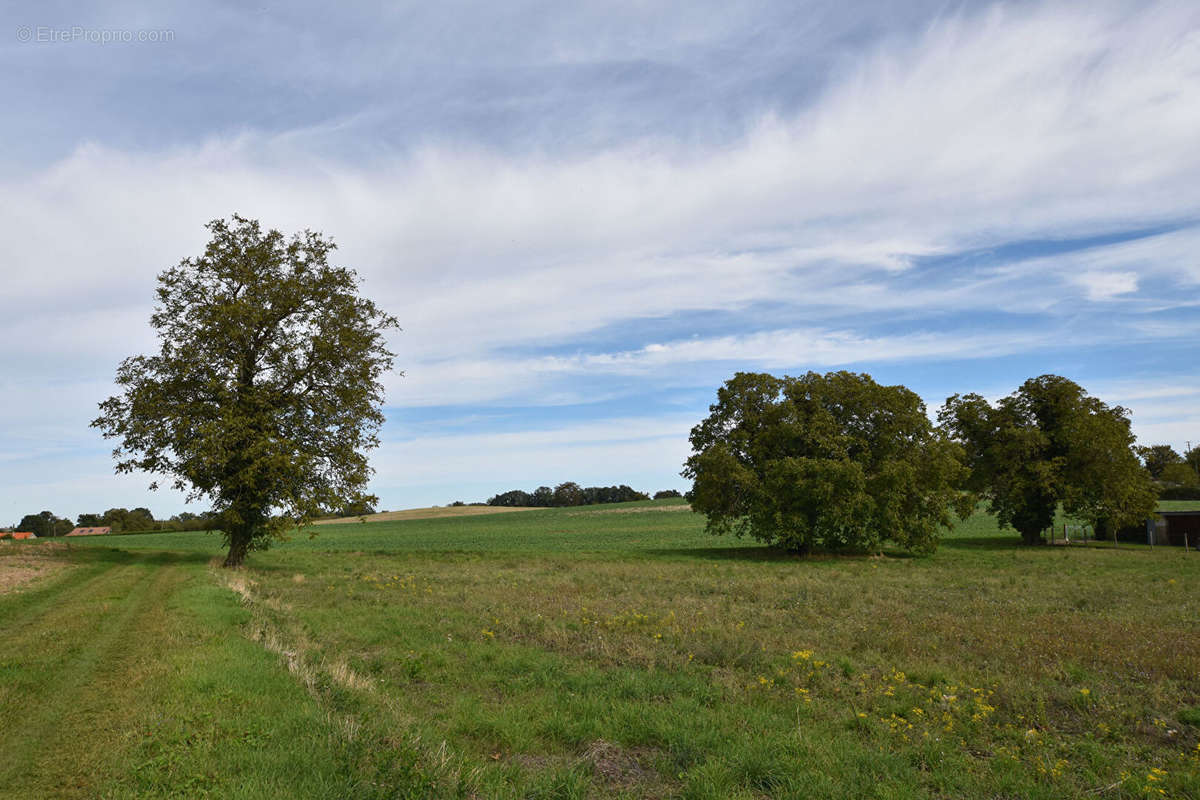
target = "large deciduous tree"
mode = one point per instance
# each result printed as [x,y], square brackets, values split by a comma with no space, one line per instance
[265,393]
[1050,443]
[836,461]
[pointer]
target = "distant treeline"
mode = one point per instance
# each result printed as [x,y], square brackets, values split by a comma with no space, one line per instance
[121,520]
[140,519]
[568,494]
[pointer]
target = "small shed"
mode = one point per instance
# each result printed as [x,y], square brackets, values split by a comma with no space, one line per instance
[1181,528]
[24,535]
[90,531]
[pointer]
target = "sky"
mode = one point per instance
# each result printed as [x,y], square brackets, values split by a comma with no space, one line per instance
[586,217]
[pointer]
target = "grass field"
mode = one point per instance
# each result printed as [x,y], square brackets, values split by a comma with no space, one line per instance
[433,512]
[598,652]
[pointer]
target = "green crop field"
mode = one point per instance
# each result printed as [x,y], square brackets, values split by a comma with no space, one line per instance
[593,653]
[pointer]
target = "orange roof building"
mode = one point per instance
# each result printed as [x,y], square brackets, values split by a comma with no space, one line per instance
[24,535]
[90,531]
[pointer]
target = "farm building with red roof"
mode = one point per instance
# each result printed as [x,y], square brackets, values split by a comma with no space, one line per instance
[90,531]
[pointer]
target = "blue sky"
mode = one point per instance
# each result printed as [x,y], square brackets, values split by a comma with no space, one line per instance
[586,216]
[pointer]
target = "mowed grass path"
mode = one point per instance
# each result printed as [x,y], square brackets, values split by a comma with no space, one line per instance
[618,652]
[126,676]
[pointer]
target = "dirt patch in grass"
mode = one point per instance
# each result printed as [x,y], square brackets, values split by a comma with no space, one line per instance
[24,565]
[620,768]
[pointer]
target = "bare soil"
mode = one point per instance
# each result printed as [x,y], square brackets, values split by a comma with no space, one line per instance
[22,564]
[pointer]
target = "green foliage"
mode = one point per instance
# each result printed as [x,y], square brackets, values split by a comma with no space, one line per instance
[45,524]
[358,509]
[187,521]
[835,461]
[1192,459]
[1180,493]
[568,494]
[140,520]
[1157,457]
[1050,443]
[1179,474]
[122,520]
[265,392]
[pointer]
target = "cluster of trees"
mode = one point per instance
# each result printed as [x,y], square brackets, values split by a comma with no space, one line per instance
[1177,476]
[567,494]
[121,520]
[1051,444]
[360,508]
[838,461]
[45,524]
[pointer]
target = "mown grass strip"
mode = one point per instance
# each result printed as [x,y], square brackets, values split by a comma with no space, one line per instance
[72,645]
[160,695]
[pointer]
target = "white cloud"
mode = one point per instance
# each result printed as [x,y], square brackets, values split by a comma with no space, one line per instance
[1164,409]
[625,450]
[988,128]
[1023,122]
[1107,285]
[548,380]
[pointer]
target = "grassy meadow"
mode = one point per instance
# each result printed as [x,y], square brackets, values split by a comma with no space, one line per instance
[596,652]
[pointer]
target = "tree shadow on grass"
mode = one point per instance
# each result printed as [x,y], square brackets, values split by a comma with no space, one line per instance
[767,554]
[727,553]
[114,555]
[982,543]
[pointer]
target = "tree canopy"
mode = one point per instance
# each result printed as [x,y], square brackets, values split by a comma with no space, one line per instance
[836,461]
[1180,474]
[1157,457]
[1192,459]
[122,520]
[567,493]
[45,524]
[265,393]
[1050,443]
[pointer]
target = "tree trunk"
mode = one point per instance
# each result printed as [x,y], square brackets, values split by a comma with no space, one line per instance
[239,545]
[804,548]
[1032,537]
